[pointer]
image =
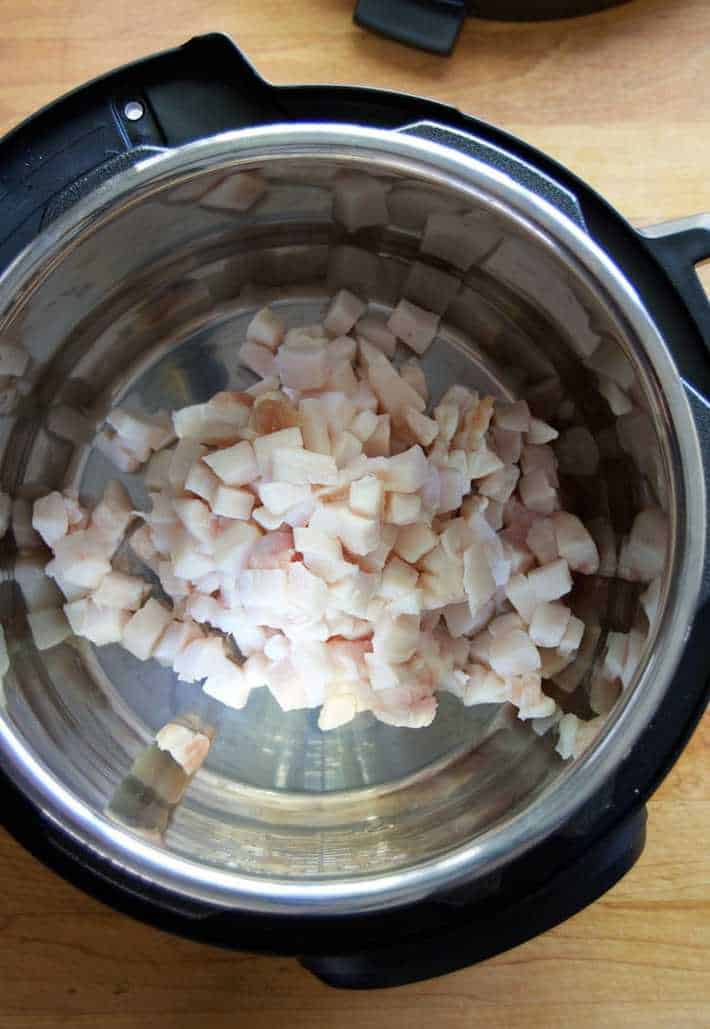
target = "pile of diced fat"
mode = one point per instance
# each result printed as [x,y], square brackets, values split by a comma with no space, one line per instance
[362,551]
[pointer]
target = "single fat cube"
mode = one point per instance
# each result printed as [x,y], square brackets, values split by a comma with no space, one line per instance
[398,579]
[478,581]
[301,466]
[257,359]
[81,559]
[402,508]
[202,481]
[346,447]
[264,447]
[539,432]
[234,546]
[141,433]
[514,416]
[387,384]
[451,238]
[110,445]
[551,581]
[49,517]
[279,497]
[359,201]
[188,562]
[313,420]
[522,596]
[99,625]
[367,496]
[374,329]
[395,638]
[237,192]
[575,543]
[413,325]
[266,329]
[212,423]
[237,465]
[345,309]
[482,462]
[549,623]
[418,428]
[500,485]
[143,631]
[537,493]
[378,443]
[120,590]
[414,541]
[413,373]
[183,457]
[49,627]
[541,539]
[513,653]
[363,425]
[186,746]
[302,363]
[176,637]
[405,472]
[231,502]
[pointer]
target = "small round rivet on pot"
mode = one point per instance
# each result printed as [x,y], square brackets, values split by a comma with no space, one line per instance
[134,110]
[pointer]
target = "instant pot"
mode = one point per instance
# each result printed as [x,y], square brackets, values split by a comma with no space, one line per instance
[131,264]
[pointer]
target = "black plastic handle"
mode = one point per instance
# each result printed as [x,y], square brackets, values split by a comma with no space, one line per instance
[398,963]
[51,160]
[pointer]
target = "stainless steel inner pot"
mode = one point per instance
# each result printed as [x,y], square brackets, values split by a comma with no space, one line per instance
[140,295]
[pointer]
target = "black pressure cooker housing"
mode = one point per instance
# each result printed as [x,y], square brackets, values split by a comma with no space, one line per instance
[206,87]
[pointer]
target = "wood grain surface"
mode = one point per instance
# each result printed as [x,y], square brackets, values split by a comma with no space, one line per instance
[623,99]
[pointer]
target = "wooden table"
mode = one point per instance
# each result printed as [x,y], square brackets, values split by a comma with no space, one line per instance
[623,99]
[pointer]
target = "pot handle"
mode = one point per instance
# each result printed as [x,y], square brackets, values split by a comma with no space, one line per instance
[74,145]
[481,936]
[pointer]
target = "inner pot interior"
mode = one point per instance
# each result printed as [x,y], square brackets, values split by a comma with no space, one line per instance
[145,303]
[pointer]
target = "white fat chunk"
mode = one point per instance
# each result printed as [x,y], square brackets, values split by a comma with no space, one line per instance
[266,329]
[374,329]
[413,325]
[345,309]
[549,623]
[99,625]
[49,517]
[513,653]
[237,465]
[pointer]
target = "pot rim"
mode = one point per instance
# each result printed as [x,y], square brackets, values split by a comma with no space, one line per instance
[557,803]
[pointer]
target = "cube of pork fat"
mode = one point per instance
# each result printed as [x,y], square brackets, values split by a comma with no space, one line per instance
[303,363]
[367,496]
[99,625]
[266,328]
[537,493]
[257,359]
[237,192]
[314,425]
[513,653]
[345,309]
[551,581]
[374,329]
[541,539]
[574,543]
[264,447]
[359,201]
[111,447]
[414,541]
[515,417]
[390,388]
[303,467]
[643,555]
[231,502]
[413,325]
[187,747]
[49,517]
[143,631]
[549,623]
[378,444]
[540,432]
[123,591]
[81,558]
[185,454]
[237,465]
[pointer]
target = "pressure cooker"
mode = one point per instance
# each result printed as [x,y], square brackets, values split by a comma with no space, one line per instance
[376,855]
